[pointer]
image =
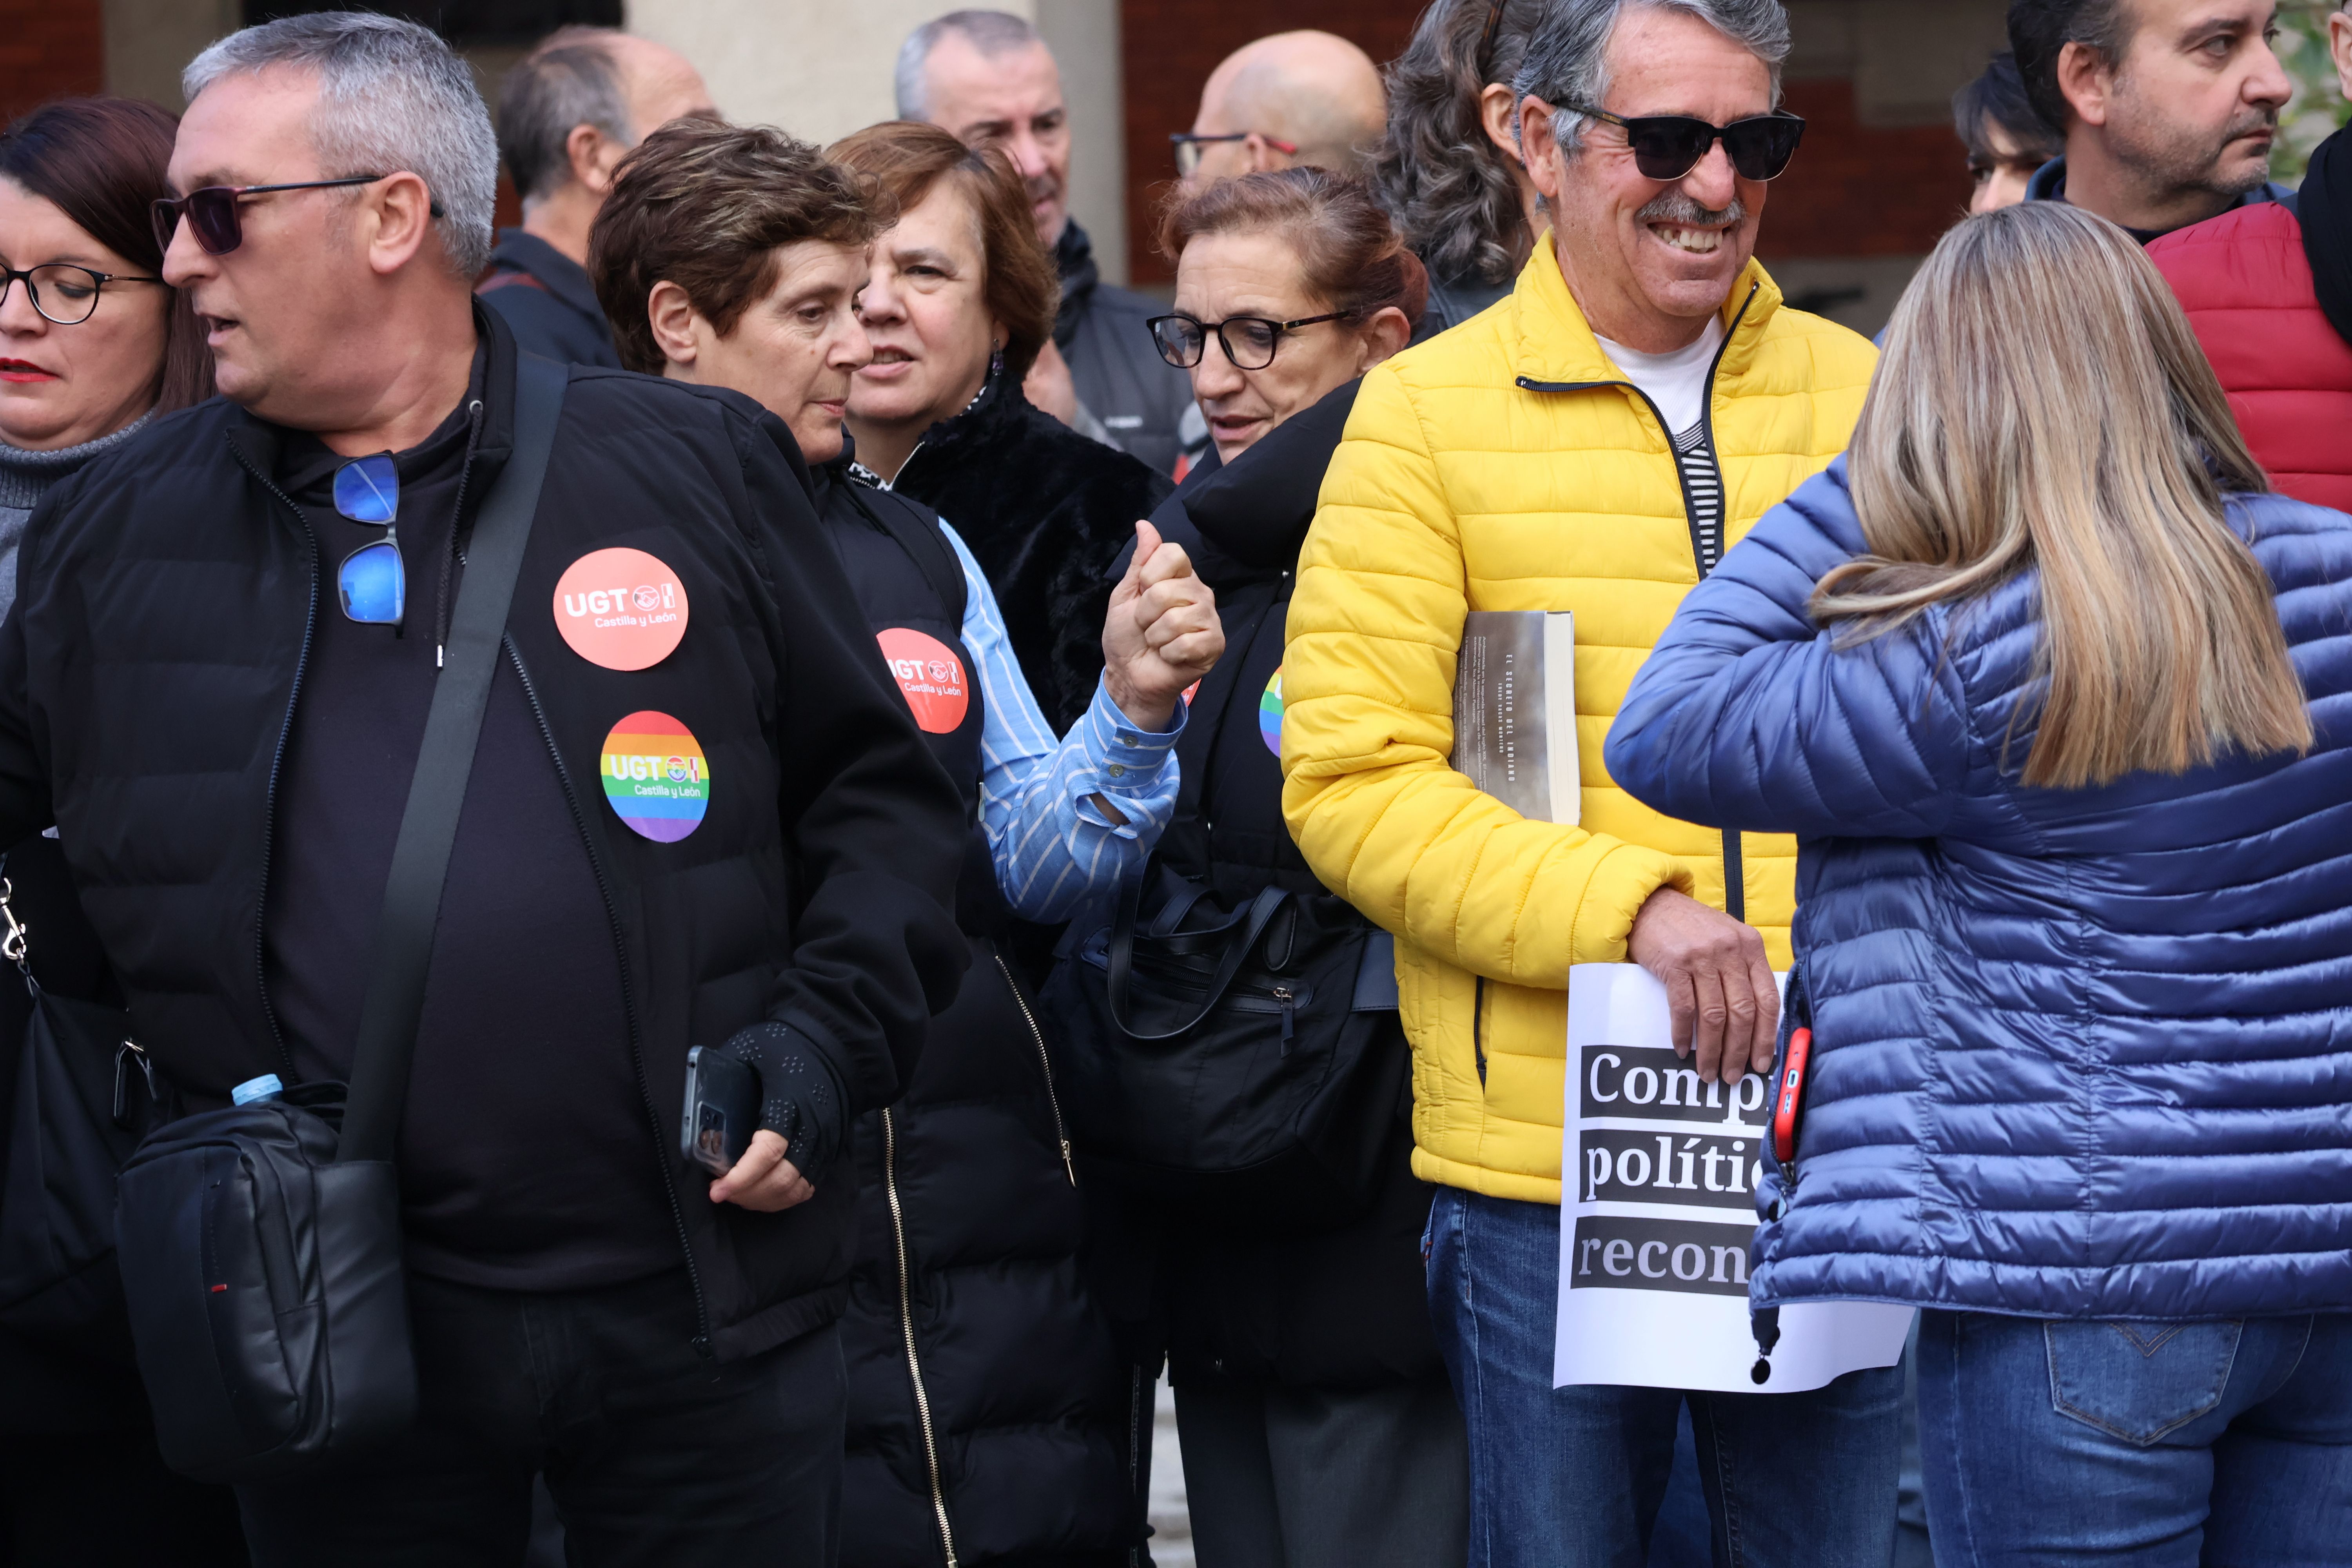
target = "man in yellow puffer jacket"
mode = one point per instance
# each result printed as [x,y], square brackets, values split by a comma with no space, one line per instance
[1592,443]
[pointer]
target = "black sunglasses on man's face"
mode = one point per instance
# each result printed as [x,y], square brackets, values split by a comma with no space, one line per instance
[212,212]
[1668,146]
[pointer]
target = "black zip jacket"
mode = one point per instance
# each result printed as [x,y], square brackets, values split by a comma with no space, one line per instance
[1346,1306]
[989,1413]
[168,603]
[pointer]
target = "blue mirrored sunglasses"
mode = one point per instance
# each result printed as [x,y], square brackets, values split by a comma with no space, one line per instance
[371,580]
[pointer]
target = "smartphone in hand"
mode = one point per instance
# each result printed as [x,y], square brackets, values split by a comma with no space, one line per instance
[722,1111]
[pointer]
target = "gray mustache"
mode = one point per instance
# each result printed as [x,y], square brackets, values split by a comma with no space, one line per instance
[1674,206]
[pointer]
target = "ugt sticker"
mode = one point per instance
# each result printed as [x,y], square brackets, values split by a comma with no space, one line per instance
[655,776]
[930,674]
[621,608]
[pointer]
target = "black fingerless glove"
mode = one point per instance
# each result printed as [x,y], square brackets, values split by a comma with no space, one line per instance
[798,1099]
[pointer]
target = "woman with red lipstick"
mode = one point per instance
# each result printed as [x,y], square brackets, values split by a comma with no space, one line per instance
[93,343]
[93,346]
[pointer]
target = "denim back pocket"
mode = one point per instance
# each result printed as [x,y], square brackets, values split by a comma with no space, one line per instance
[2139,1381]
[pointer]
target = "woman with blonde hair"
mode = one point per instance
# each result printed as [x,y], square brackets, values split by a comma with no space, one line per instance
[2055,694]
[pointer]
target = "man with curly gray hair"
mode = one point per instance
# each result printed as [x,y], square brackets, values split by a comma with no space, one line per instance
[698,814]
[1592,443]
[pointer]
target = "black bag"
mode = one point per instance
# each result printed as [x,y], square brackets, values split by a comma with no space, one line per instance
[84,1095]
[260,1245]
[1231,1059]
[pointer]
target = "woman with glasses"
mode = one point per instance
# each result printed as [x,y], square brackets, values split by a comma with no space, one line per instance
[958,305]
[93,346]
[1317,1426]
[93,343]
[1449,171]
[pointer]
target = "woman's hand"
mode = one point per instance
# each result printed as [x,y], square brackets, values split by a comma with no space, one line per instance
[764,1179]
[1162,632]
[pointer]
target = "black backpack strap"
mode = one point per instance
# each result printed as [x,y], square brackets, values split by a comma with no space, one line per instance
[428,827]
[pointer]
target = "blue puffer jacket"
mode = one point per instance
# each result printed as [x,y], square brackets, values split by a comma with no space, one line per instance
[2077,1054]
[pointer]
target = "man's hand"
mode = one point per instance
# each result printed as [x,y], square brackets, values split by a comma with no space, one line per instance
[764,1179]
[1162,632]
[1717,982]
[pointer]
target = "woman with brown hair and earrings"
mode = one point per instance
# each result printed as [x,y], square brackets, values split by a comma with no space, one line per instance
[94,346]
[958,302]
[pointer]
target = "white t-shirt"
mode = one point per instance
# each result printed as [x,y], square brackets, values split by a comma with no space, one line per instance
[1674,381]
[1677,383]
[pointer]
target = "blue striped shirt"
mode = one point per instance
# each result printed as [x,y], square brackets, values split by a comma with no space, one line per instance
[1055,852]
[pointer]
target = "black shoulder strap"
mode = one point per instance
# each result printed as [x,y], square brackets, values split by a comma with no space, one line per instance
[917,529]
[420,857]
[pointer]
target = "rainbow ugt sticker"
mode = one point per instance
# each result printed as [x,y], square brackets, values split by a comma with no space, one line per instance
[1269,713]
[655,776]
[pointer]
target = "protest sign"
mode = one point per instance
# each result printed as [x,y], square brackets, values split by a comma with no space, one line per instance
[1657,1209]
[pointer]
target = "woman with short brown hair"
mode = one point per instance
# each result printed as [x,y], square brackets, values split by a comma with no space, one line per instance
[960,300]
[988,1408]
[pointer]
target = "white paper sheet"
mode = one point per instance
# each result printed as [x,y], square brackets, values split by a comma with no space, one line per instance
[1657,1210]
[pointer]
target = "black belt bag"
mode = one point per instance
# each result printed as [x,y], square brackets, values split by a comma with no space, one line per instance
[260,1245]
[1233,1059]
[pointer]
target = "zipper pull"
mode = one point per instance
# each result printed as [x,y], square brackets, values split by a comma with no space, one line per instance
[1067,1164]
[1289,1000]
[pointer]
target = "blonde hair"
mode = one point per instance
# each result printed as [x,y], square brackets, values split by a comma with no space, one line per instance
[2043,405]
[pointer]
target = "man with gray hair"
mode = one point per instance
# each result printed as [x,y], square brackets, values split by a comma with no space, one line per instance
[216,682]
[1592,444]
[989,79]
[568,112]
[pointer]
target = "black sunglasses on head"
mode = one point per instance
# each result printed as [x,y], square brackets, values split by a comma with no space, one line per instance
[1668,146]
[212,211]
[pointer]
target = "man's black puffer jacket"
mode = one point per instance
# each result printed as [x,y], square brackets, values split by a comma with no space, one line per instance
[1045,511]
[149,678]
[990,1418]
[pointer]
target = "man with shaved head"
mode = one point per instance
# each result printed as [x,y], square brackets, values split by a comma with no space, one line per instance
[988,79]
[567,113]
[1282,102]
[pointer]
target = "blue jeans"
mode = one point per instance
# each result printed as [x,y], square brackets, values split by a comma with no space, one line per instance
[2137,1444]
[1571,1477]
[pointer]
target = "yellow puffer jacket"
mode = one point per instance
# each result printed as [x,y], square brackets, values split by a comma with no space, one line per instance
[1505,464]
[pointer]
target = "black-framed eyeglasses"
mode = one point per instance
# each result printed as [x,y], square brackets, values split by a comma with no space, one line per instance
[212,214]
[1249,341]
[1187,145]
[72,290]
[1668,146]
[372,582]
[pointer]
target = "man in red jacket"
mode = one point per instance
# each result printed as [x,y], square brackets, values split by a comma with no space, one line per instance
[2269,290]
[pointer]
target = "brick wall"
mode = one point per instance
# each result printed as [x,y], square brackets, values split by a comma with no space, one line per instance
[1855,190]
[1168,48]
[1862,190]
[49,49]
